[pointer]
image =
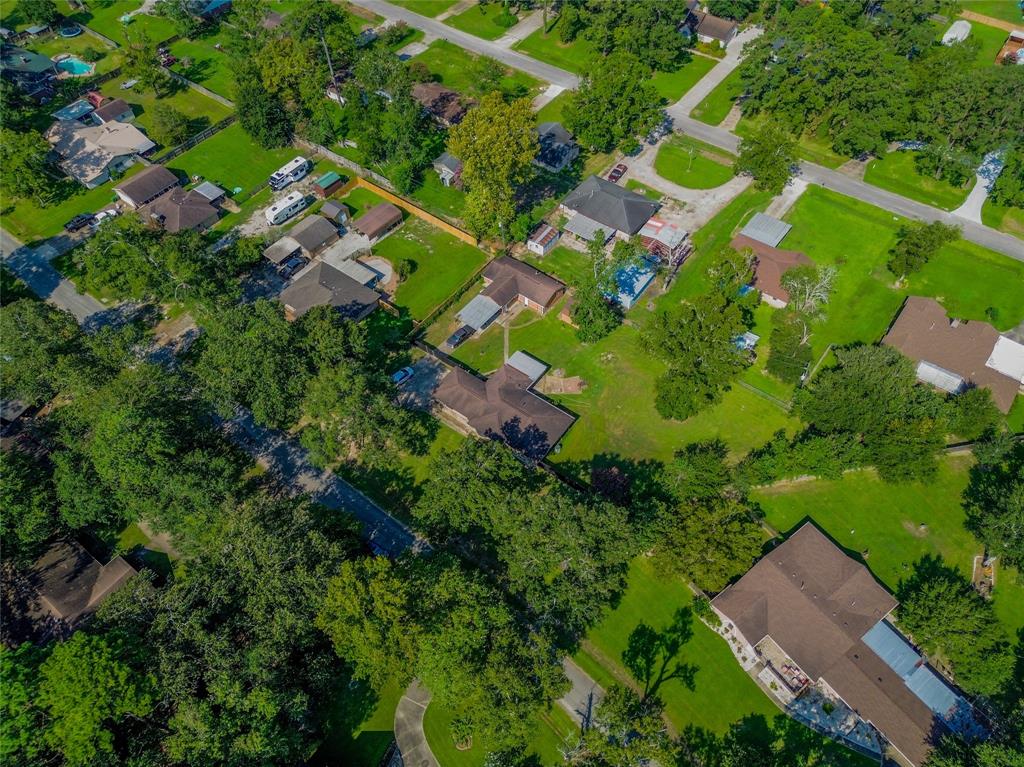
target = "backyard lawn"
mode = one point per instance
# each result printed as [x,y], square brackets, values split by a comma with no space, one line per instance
[426,7]
[1007,10]
[104,16]
[439,199]
[488,21]
[1009,220]
[206,65]
[689,163]
[574,56]
[453,67]
[201,111]
[443,263]
[716,105]
[991,39]
[897,172]
[864,514]
[109,58]
[672,85]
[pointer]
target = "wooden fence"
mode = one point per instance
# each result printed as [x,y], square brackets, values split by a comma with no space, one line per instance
[189,143]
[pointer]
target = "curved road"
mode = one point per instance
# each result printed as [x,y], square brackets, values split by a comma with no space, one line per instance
[719,137]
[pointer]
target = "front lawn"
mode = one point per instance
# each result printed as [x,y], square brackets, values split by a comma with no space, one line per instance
[672,85]
[716,105]
[232,160]
[207,65]
[201,111]
[1009,220]
[688,163]
[574,56]
[359,726]
[443,263]
[488,21]
[453,67]
[894,525]
[430,8]
[898,173]
[552,111]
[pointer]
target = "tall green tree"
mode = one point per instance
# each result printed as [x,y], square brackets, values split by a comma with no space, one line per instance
[261,112]
[917,243]
[141,62]
[43,12]
[628,731]
[994,501]
[42,350]
[768,155]
[496,143]
[25,171]
[22,721]
[1008,188]
[29,502]
[593,312]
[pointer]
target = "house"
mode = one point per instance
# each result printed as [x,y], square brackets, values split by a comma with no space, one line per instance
[508,281]
[337,212]
[328,184]
[282,250]
[313,234]
[769,266]
[90,153]
[378,221]
[146,185]
[708,28]
[442,104]
[29,71]
[765,229]
[953,354]
[449,169]
[665,241]
[598,204]
[557,148]
[212,193]
[542,240]
[816,620]
[115,110]
[504,406]
[69,584]
[180,210]
[957,32]
[321,285]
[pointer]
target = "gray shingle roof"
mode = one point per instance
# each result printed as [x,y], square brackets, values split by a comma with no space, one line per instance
[611,205]
[323,284]
[313,233]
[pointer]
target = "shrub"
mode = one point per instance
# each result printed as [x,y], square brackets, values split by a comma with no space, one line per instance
[404,268]
[91,55]
[702,609]
[506,19]
[825,456]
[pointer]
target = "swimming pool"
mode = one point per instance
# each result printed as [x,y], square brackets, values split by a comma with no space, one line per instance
[75,66]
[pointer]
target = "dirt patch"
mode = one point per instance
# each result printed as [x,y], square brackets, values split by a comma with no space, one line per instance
[918,531]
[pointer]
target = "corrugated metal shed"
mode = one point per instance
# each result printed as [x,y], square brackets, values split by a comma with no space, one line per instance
[479,312]
[766,229]
[527,365]
[939,377]
[358,271]
[889,645]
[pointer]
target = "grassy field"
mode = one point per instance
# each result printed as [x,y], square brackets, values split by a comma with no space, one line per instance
[207,66]
[453,67]
[200,110]
[991,39]
[481,20]
[966,278]
[439,199]
[883,523]
[552,111]
[812,147]
[552,730]
[716,105]
[1009,220]
[1007,10]
[574,56]
[108,59]
[104,16]
[231,159]
[897,172]
[672,85]
[687,163]
[426,7]
[443,263]
[647,192]
[357,737]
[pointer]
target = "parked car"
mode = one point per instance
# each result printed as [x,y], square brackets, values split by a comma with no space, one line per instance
[102,216]
[460,335]
[291,266]
[78,222]
[617,172]
[399,377]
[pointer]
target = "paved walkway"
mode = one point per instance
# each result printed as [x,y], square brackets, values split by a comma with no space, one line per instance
[522,30]
[971,207]
[409,734]
[710,81]
[546,96]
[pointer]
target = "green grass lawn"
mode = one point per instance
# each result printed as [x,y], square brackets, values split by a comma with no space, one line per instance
[481,20]
[360,200]
[687,163]
[29,222]
[672,85]
[108,59]
[552,111]
[443,263]
[562,262]
[866,515]
[716,105]
[453,67]
[991,39]
[104,16]
[966,278]
[426,7]
[1015,418]
[650,194]
[439,199]
[1009,220]
[812,147]
[574,56]
[200,110]
[207,66]
[231,159]
[897,172]
[355,736]
[1007,10]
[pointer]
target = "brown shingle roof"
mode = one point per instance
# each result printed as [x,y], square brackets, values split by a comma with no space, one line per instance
[313,233]
[816,603]
[443,103]
[147,184]
[511,278]
[378,220]
[323,284]
[922,331]
[71,583]
[112,109]
[714,26]
[770,264]
[177,210]
[503,407]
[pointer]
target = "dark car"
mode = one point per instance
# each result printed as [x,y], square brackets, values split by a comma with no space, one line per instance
[459,336]
[78,222]
[617,172]
[290,267]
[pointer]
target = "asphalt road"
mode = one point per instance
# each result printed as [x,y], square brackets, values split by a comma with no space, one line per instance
[815,174]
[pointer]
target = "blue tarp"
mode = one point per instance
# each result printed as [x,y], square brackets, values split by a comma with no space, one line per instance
[889,645]
[632,281]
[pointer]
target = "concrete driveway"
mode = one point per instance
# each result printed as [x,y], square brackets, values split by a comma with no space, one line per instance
[418,392]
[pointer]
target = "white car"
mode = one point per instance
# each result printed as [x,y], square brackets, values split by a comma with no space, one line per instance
[102,216]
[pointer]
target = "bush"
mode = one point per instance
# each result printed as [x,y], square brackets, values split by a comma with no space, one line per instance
[506,19]
[521,227]
[825,456]
[403,176]
[420,72]
[973,414]
[702,609]
[91,55]
[404,268]
[395,33]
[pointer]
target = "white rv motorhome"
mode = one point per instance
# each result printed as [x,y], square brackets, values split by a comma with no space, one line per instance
[290,173]
[285,208]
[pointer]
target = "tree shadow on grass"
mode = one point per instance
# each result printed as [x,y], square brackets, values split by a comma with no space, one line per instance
[650,655]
